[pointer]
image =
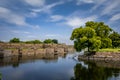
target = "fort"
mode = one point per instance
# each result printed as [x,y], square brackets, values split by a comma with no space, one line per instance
[12,49]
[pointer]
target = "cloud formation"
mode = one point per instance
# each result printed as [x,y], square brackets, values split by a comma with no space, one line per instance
[35,19]
[75,22]
[10,17]
[35,3]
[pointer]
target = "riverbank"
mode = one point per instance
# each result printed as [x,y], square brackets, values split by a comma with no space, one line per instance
[101,56]
[13,49]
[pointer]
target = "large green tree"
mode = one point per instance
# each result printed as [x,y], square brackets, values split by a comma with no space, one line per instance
[85,38]
[103,31]
[93,35]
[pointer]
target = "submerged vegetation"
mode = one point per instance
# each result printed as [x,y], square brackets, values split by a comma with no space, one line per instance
[94,36]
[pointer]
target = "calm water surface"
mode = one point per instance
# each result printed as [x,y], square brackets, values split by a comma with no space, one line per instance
[54,67]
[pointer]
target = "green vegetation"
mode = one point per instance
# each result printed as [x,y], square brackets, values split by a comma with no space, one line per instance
[109,50]
[94,36]
[115,37]
[55,41]
[85,38]
[15,40]
[34,42]
[51,41]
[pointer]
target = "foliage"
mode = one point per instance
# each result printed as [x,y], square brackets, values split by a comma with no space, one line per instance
[100,28]
[93,35]
[115,37]
[33,42]
[55,41]
[51,41]
[48,41]
[106,43]
[15,40]
[85,38]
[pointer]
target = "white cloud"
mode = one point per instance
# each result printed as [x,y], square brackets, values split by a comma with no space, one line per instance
[75,22]
[55,18]
[52,35]
[19,32]
[36,27]
[98,3]
[36,3]
[47,8]
[115,17]
[111,7]
[84,1]
[11,17]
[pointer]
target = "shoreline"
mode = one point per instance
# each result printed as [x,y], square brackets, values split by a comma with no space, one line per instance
[101,56]
[12,49]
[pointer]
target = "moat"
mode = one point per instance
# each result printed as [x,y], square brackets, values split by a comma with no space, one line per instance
[55,67]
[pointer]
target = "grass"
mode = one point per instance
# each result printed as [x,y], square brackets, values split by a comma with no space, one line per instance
[109,50]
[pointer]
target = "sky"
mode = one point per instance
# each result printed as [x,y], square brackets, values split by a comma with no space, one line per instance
[54,19]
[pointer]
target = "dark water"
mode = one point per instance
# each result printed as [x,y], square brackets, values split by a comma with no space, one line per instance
[54,67]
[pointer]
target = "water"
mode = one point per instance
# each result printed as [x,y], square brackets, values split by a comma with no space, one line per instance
[54,67]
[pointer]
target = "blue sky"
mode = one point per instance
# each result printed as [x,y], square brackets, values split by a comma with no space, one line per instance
[55,19]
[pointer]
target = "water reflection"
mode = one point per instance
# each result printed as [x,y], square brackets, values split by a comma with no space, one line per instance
[0,76]
[56,67]
[16,60]
[94,72]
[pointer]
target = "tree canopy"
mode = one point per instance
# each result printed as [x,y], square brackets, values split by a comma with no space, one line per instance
[15,40]
[34,42]
[93,35]
[51,41]
[85,38]
[115,37]
[55,41]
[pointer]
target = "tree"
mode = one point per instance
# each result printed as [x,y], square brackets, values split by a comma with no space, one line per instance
[48,41]
[85,38]
[106,43]
[55,41]
[93,35]
[102,30]
[15,40]
[115,37]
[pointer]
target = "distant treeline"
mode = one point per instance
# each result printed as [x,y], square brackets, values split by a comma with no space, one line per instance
[17,40]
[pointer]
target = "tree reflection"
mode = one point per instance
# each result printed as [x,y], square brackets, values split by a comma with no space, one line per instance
[0,76]
[93,72]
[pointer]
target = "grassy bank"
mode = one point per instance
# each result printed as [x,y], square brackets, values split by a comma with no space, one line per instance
[109,50]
